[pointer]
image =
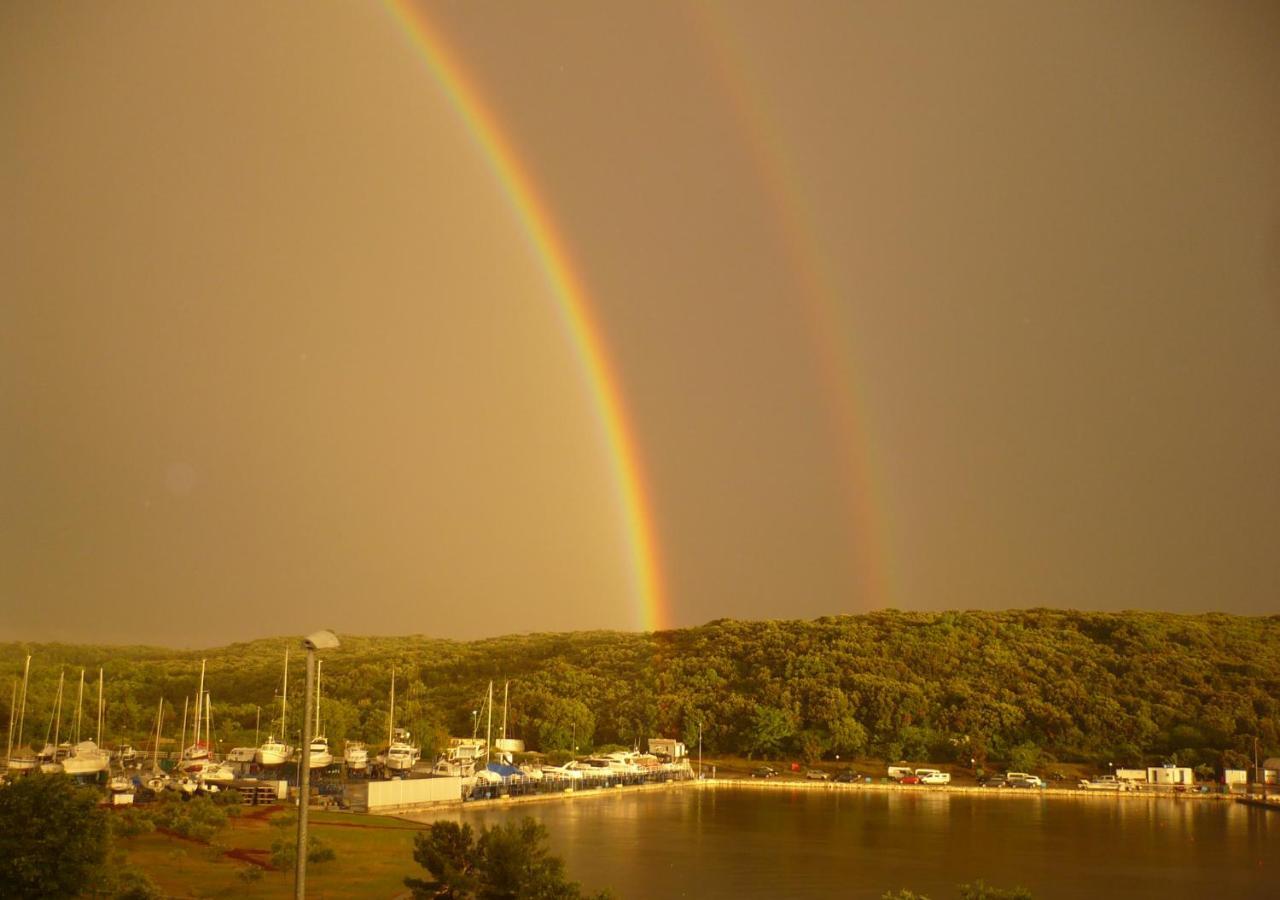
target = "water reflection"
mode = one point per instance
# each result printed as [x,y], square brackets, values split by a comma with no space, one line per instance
[724,842]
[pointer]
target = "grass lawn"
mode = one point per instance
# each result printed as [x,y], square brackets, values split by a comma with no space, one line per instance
[374,854]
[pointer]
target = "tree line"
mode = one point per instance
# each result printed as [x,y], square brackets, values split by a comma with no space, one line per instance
[1028,686]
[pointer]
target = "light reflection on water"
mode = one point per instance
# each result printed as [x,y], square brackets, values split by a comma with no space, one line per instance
[727,842]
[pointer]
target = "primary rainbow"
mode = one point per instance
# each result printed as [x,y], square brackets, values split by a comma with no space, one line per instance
[572,300]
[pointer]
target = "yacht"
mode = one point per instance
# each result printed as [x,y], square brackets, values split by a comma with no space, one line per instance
[355,756]
[402,755]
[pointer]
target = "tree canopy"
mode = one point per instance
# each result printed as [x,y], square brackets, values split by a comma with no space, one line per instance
[53,837]
[1032,685]
[507,862]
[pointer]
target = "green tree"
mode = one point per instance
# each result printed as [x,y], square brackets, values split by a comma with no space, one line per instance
[53,837]
[507,862]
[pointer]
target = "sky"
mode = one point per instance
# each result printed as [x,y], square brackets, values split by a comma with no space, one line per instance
[466,319]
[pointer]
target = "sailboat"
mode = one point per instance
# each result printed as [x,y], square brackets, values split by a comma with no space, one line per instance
[158,780]
[25,761]
[276,752]
[87,757]
[212,772]
[195,756]
[51,756]
[319,756]
[402,754]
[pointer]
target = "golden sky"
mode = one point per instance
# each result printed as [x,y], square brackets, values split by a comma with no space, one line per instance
[921,305]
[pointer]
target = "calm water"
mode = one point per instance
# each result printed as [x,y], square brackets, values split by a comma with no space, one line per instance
[727,842]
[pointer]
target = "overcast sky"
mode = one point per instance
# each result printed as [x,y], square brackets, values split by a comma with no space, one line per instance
[925,305]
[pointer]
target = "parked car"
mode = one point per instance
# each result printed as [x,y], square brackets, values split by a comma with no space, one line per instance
[909,779]
[1021,781]
[1033,780]
[764,772]
[847,777]
[817,775]
[936,778]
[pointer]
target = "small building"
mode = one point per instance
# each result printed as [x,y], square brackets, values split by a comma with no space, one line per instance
[1235,776]
[667,749]
[1170,775]
[402,794]
[1134,775]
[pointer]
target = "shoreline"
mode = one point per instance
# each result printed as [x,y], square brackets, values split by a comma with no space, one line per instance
[751,784]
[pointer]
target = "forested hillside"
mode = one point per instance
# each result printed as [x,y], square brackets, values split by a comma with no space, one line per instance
[1032,686]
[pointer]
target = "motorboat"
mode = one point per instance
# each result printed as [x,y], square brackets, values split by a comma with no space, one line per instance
[355,756]
[319,757]
[402,755]
[272,752]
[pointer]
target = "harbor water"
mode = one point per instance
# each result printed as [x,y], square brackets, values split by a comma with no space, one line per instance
[729,842]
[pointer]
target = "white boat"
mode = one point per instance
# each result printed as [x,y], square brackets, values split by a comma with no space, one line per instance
[318,756]
[273,752]
[119,785]
[87,757]
[401,754]
[25,762]
[216,773]
[461,757]
[355,756]
[242,754]
[157,780]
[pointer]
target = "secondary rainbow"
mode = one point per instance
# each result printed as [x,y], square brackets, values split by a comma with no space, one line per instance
[828,323]
[572,299]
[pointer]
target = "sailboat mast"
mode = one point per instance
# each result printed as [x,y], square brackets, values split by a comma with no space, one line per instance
[79,707]
[155,754]
[506,687]
[319,667]
[284,702]
[195,741]
[13,713]
[391,717]
[22,709]
[182,745]
[57,716]
[208,722]
[488,734]
[98,739]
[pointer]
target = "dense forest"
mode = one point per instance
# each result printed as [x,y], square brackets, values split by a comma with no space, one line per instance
[1028,687]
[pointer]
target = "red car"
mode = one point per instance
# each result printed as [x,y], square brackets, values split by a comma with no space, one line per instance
[910,779]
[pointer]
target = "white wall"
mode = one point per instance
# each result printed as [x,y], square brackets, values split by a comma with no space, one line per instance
[413,791]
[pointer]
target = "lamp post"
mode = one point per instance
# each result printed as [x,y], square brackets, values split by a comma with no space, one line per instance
[699,749]
[320,640]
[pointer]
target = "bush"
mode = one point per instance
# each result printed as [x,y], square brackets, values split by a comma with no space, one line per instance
[284,851]
[34,808]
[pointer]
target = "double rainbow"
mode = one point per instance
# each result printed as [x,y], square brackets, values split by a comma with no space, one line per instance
[531,210]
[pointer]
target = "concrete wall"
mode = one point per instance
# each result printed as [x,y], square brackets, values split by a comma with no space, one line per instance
[377,796]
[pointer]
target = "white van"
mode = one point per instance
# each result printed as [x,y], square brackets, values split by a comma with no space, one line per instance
[1023,778]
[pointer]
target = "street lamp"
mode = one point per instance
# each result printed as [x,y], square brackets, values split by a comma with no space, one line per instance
[320,640]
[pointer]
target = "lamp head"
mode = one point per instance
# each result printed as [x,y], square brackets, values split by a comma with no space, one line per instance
[320,640]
